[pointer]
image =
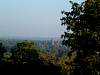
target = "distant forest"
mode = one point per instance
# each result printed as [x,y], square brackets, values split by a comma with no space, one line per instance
[45,44]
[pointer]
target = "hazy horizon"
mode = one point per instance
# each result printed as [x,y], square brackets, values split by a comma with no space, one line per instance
[32,18]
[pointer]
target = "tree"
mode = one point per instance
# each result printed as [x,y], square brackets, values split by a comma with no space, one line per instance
[84,23]
[7,57]
[31,60]
[2,50]
[25,53]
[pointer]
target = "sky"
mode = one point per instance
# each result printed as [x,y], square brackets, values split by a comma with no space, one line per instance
[32,18]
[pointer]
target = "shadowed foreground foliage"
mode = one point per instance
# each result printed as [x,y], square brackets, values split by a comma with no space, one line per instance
[84,23]
[28,59]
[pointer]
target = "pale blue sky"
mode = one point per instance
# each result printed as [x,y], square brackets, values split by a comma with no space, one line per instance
[32,18]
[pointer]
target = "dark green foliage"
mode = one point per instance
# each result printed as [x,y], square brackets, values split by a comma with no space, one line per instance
[25,53]
[2,50]
[84,22]
[26,58]
[83,35]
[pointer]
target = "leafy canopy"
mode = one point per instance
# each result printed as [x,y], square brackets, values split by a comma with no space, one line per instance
[84,23]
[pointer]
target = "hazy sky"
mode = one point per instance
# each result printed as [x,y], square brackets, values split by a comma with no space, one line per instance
[32,18]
